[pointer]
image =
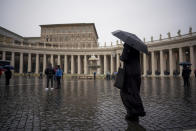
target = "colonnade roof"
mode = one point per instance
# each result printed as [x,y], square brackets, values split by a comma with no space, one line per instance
[175,39]
[11,34]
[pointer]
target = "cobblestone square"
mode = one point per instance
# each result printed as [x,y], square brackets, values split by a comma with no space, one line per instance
[94,105]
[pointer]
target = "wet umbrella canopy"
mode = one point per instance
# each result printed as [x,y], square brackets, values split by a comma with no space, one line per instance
[8,67]
[132,40]
[2,68]
[184,63]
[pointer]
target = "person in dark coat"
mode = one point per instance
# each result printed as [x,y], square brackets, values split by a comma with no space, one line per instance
[130,94]
[94,74]
[186,75]
[195,73]
[8,76]
[40,75]
[49,71]
[0,73]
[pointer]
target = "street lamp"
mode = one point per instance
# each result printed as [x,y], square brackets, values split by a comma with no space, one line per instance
[187,53]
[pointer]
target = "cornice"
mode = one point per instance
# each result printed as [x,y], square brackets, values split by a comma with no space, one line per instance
[27,49]
[173,40]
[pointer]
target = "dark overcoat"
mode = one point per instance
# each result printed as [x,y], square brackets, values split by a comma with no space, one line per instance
[186,73]
[8,74]
[130,93]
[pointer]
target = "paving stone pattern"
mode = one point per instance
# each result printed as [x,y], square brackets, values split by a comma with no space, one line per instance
[89,105]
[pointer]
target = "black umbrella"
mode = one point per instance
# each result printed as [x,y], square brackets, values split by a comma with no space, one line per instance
[2,69]
[184,63]
[132,40]
[8,67]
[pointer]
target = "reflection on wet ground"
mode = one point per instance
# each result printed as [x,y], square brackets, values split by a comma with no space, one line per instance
[94,105]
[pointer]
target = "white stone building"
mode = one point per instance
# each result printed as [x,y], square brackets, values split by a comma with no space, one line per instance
[71,45]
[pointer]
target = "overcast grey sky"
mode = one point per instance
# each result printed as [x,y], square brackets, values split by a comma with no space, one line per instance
[141,17]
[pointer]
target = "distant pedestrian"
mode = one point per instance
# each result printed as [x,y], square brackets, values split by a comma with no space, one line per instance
[113,77]
[59,74]
[130,94]
[108,76]
[195,72]
[186,75]
[25,74]
[40,75]
[8,76]
[55,69]
[49,71]
[0,73]
[29,74]
[94,73]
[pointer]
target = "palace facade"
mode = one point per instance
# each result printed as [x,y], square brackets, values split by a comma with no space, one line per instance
[71,46]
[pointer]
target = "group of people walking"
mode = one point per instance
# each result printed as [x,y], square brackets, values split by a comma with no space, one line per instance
[52,74]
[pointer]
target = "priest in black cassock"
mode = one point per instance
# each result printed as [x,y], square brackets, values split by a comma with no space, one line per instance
[130,93]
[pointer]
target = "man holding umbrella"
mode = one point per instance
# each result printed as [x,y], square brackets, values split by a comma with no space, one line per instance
[186,73]
[8,76]
[130,93]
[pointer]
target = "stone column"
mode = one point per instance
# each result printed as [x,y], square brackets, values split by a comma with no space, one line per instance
[161,64]
[180,59]
[122,64]
[13,59]
[85,64]
[72,64]
[117,61]
[21,43]
[192,60]
[3,55]
[29,62]
[21,63]
[37,64]
[59,60]
[65,64]
[171,68]
[99,64]
[147,64]
[144,64]
[52,60]
[105,64]
[112,64]
[44,63]
[44,45]
[153,63]
[79,65]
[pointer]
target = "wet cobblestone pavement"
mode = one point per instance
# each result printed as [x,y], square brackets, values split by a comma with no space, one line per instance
[94,105]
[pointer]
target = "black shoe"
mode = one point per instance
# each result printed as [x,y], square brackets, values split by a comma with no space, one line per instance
[132,119]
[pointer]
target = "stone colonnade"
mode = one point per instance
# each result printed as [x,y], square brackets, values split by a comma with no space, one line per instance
[158,63]
[71,64]
[166,62]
